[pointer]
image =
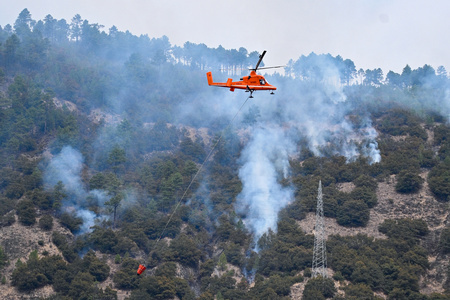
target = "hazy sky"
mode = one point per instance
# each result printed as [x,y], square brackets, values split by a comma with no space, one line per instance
[372,33]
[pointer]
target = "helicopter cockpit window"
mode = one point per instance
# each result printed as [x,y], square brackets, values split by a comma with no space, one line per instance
[262,81]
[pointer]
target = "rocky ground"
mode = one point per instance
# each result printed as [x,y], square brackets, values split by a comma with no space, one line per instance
[19,241]
[121,294]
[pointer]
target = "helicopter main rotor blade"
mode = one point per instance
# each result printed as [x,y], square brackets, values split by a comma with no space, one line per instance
[275,67]
[260,59]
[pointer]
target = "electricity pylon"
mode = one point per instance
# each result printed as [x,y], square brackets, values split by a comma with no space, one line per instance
[319,263]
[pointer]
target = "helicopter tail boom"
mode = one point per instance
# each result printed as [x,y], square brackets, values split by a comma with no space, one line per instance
[210,79]
[223,84]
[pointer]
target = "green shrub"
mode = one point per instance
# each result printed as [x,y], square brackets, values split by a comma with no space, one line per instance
[365,194]
[319,288]
[103,239]
[70,221]
[366,181]
[404,229]
[46,222]
[58,239]
[26,212]
[95,267]
[439,180]
[353,213]
[359,291]
[2,75]
[408,182]
[3,258]
[82,286]
[184,250]
[441,134]
[444,241]
[7,219]
[6,204]
[126,277]
[36,272]
[117,259]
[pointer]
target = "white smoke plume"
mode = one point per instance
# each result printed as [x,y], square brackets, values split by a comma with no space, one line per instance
[316,112]
[371,147]
[446,106]
[66,167]
[265,163]
[352,142]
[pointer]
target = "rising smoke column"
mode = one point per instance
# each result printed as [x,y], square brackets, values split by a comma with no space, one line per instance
[264,162]
[371,146]
[317,112]
[446,106]
[66,167]
[352,142]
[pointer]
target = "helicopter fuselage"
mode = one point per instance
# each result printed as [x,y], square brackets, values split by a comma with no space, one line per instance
[252,82]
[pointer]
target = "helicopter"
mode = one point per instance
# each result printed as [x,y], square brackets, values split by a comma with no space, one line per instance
[250,83]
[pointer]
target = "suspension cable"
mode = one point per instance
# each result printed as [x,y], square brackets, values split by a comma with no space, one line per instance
[199,170]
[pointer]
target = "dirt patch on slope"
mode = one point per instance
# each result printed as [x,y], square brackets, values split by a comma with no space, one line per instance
[18,241]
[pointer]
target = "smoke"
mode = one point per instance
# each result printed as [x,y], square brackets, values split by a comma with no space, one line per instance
[202,214]
[446,106]
[371,146]
[353,141]
[315,111]
[264,163]
[88,218]
[320,113]
[67,167]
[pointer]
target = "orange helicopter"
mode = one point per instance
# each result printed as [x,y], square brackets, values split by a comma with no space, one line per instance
[250,83]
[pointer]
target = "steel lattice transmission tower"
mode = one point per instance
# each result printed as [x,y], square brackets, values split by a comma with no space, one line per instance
[319,264]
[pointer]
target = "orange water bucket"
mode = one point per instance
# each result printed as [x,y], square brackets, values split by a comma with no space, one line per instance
[141,269]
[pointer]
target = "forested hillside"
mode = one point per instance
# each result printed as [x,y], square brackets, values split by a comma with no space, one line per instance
[105,140]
